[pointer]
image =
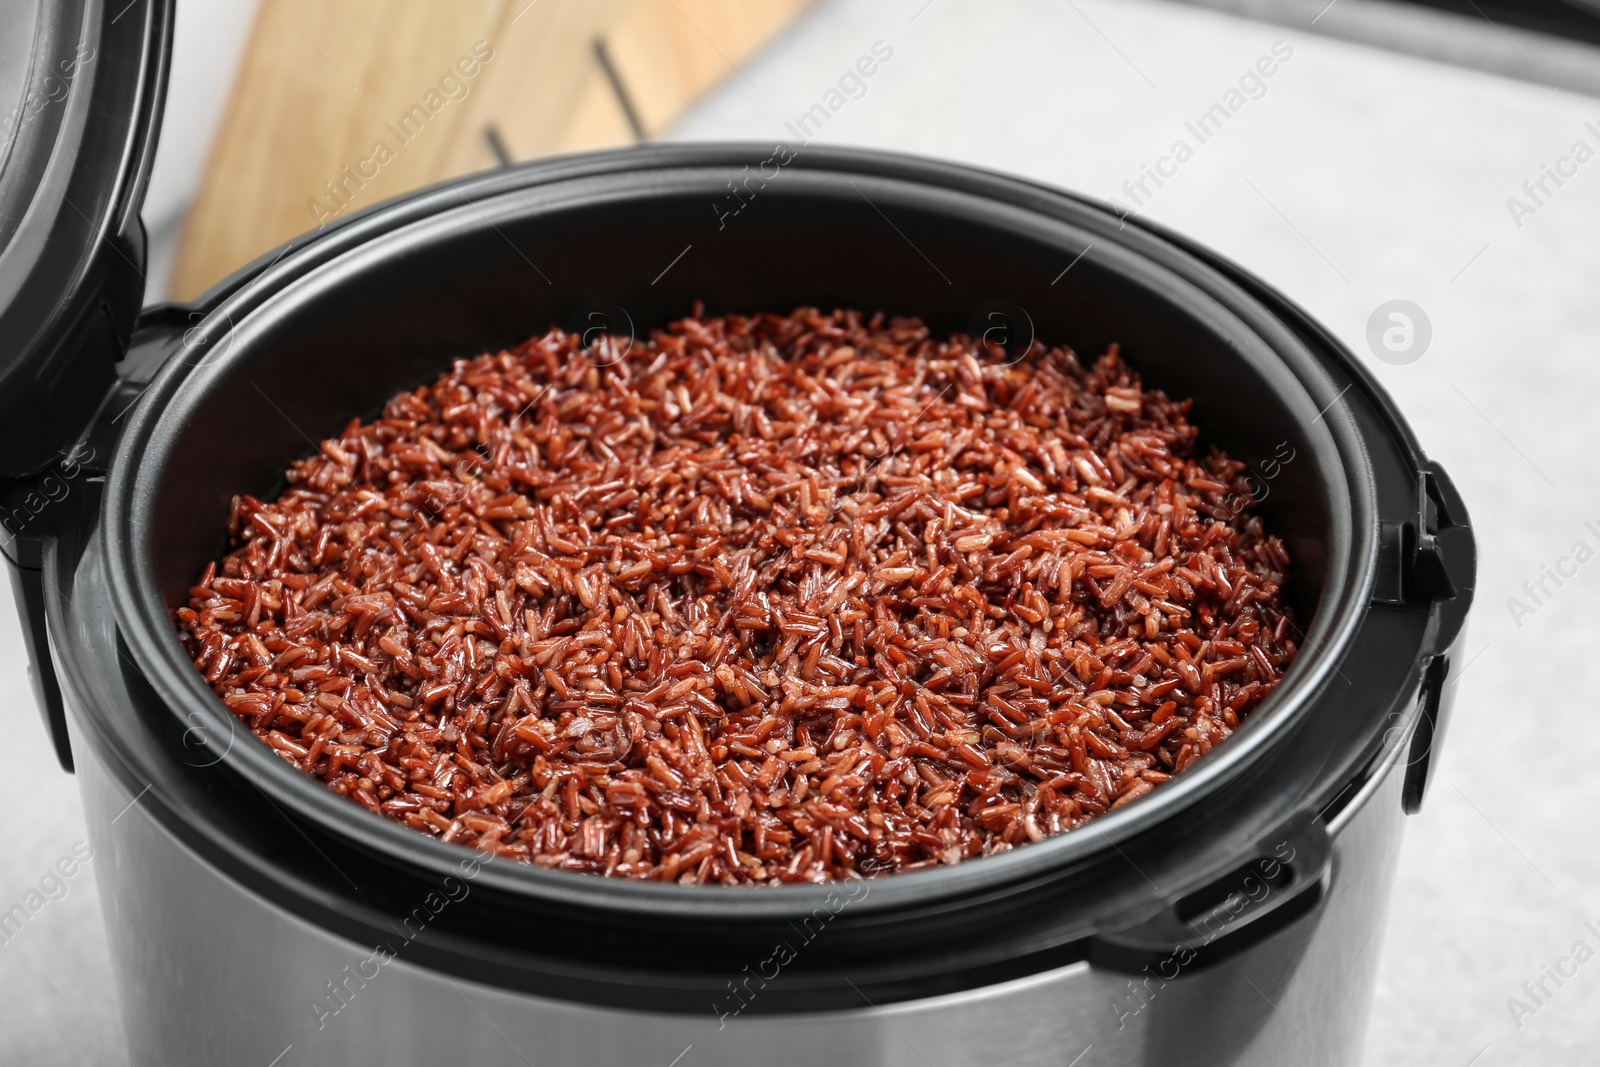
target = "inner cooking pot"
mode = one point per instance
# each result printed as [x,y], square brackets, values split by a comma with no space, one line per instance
[290,350]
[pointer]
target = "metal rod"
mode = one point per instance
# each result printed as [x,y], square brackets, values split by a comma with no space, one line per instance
[603,54]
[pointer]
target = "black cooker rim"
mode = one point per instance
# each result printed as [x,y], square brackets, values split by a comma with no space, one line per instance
[142,618]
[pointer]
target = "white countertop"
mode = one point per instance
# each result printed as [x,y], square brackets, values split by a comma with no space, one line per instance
[1357,177]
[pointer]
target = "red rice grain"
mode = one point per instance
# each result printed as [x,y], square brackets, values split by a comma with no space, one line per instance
[767,599]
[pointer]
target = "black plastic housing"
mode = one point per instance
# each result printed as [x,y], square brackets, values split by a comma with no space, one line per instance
[289,350]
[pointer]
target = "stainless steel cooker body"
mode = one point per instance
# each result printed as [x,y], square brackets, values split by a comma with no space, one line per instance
[212,973]
[1232,916]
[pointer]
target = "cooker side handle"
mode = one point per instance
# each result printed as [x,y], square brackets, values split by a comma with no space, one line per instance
[1287,880]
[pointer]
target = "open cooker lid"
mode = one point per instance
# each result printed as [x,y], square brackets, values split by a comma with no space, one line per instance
[81,87]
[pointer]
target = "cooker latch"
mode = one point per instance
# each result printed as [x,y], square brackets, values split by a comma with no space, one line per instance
[1438,567]
[1429,558]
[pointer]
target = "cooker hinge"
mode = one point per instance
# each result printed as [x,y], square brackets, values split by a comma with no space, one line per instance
[34,511]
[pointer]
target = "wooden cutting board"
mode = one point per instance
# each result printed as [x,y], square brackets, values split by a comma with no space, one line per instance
[338,105]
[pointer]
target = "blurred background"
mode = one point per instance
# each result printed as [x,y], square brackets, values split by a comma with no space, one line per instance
[1440,154]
